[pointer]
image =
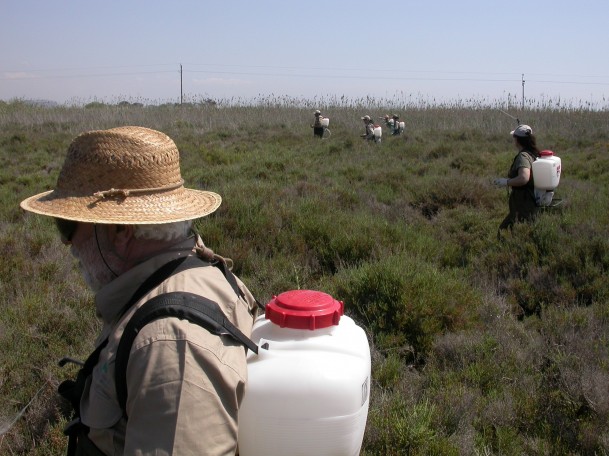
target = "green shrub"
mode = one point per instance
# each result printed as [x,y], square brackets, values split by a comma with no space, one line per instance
[408,299]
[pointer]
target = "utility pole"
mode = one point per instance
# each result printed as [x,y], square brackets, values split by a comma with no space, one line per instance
[182,93]
[523,91]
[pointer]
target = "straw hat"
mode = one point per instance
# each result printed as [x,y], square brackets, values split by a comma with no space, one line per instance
[125,175]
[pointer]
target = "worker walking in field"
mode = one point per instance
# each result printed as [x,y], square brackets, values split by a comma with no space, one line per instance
[318,128]
[397,126]
[372,132]
[520,184]
[393,124]
[121,207]
[388,121]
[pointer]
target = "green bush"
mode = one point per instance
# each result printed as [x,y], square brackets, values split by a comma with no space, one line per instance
[408,299]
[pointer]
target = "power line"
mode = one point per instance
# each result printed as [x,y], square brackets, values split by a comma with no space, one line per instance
[568,82]
[30,74]
[343,76]
[398,78]
[274,67]
[106,67]
[347,69]
[80,76]
[516,74]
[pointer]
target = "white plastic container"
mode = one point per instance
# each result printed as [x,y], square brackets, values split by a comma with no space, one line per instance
[546,171]
[308,387]
[378,131]
[402,126]
[325,122]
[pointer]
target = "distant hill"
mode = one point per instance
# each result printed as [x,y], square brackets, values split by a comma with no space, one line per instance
[42,103]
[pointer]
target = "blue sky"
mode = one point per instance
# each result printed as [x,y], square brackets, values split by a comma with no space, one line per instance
[132,49]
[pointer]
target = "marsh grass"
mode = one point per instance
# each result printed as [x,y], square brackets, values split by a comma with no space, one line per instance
[479,346]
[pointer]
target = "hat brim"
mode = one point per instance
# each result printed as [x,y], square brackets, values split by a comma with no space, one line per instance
[517,134]
[167,207]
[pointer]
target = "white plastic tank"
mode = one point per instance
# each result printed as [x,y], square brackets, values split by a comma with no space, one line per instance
[325,122]
[546,171]
[378,133]
[402,126]
[308,387]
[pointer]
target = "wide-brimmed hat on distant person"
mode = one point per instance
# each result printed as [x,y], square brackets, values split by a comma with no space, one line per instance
[125,175]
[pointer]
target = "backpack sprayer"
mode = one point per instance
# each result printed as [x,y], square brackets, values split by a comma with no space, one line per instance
[546,170]
[308,388]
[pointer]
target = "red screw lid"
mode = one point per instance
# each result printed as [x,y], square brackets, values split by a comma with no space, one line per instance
[546,153]
[304,309]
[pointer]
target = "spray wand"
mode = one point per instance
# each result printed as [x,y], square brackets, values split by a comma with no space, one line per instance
[509,115]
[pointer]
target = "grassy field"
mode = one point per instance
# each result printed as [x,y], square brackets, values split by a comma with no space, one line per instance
[479,346]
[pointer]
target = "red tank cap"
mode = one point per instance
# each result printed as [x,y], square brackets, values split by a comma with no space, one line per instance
[546,153]
[304,309]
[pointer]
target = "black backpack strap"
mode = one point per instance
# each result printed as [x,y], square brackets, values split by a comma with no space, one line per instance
[154,280]
[230,278]
[185,306]
[72,390]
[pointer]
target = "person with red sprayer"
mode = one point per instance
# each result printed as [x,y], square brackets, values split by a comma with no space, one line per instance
[520,182]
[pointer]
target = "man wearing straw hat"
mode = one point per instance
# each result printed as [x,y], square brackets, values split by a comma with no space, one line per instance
[121,207]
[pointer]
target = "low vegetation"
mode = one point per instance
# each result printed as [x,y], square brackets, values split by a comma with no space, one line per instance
[479,345]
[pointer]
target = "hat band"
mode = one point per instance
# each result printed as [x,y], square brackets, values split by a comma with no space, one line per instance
[125,192]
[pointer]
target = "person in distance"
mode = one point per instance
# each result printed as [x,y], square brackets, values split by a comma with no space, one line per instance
[318,129]
[521,202]
[369,126]
[396,127]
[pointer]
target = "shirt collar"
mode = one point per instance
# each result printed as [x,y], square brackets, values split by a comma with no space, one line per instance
[111,299]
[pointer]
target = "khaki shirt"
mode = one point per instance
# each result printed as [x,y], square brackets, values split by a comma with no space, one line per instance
[184,384]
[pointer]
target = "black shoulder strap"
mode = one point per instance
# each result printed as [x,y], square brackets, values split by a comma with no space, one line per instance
[230,277]
[186,306]
[153,281]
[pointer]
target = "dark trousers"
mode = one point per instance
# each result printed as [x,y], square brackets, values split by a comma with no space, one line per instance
[522,208]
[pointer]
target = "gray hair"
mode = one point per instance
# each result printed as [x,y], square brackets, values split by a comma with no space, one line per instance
[163,232]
